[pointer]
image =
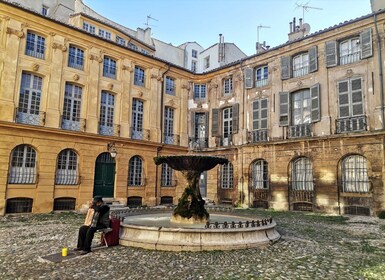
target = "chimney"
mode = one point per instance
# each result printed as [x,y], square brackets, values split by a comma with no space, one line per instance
[300,23]
[294,26]
[291,27]
[221,50]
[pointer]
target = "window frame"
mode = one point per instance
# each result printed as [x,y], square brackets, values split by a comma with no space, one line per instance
[166,177]
[260,174]
[137,116]
[107,113]
[67,168]
[35,45]
[23,165]
[168,128]
[227,176]
[170,85]
[76,57]
[302,174]
[228,86]
[200,92]
[72,105]
[109,67]
[135,171]
[262,79]
[88,27]
[139,76]
[355,175]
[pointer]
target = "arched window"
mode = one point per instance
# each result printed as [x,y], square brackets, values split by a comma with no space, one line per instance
[135,171]
[166,177]
[23,165]
[355,174]
[19,205]
[259,174]
[67,171]
[302,175]
[227,176]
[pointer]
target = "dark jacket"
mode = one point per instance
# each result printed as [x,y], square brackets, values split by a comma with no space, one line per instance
[104,215]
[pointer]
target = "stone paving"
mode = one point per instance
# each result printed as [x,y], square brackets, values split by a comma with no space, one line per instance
[312,246]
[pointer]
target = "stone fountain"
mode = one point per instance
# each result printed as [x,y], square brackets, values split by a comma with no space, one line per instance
[190,227]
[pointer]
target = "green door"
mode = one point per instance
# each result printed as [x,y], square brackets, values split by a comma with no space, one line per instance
[104,175]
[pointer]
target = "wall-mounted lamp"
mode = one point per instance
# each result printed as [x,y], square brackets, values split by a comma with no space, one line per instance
[111,149]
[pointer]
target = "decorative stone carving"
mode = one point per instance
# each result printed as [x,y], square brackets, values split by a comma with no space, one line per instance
[171,103]
[299,84]
[18,33]
[96,58]
[52,34]
[24,25]
[239,77]
[141,93]
[110,86]
[35,67]
[76,77]
[154,76]
[184,86]
[59,46]
[7,18]
[349,73]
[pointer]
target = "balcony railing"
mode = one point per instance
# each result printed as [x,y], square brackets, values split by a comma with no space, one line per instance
[301,130]
[172,139]
[29,116]
[351,124]
[261,83]
[224,141]
[198,143]
[259,135]
[22,175]
[67,177]
[76,65]
[143,134]
[77,124]
[113,130]
[350,58]
[136,182]
[301,71]
[34,53]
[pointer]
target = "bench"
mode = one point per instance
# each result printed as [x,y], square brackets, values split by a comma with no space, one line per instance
[103,232]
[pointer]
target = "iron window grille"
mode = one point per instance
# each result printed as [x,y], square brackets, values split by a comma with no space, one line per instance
[19,205]
[67,170]
[355,175]
[64,204]
[302,175]
[135,172]
[227,176]
[23,166]
[260,175]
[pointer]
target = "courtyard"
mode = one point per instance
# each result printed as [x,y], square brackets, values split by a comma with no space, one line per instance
[312,246]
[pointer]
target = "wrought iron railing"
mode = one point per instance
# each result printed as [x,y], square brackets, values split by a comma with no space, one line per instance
[301,71]
[22,175]
[351,124]
[259,135]
[224,141]
[240,224]
[349,58]
[113,130]
[261,83]
[137,134]
[198,143]
[301,130]
[29,116]
[136,182]
[172,139]
[34,53]
[67,177]
[76,124]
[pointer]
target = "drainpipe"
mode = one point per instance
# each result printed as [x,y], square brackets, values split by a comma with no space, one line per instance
[242,135]
[380,71]
[161,133]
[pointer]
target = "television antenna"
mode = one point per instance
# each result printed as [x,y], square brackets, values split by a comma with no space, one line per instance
[305,8]
[258,28]
[149,18]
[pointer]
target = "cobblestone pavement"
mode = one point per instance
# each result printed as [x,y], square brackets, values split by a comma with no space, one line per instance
[312,247]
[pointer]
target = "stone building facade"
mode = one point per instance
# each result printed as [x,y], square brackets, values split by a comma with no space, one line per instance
[302,123]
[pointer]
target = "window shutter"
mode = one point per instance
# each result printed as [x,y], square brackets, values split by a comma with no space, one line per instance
[256,118]
[366,43]
[249,77]
[313,59]
[215,118]
[193,124]
[235,118]
[207,124]
[263,113]
[357,102]
[315,103]
[343,99]
[285,67]
[331,53]
[283,108]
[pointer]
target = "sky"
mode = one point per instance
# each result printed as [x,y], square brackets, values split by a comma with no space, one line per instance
[180,21]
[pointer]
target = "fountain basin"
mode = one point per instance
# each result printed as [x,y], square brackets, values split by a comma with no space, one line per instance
[156,232]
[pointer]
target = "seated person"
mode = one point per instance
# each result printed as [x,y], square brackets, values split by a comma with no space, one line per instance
[100,219]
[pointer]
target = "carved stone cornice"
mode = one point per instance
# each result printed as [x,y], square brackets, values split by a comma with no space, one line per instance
[24,25]
[18,33]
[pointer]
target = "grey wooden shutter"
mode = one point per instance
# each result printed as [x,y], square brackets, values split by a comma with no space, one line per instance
[263,114]
[193,124]
[285,67]
[248,77]
[313,59]
[331,53]
[343,99]
[366,43]
[235,118]
[215,119]
[284,109]
[357,102]
[207,124]
[315,103]
[256,109]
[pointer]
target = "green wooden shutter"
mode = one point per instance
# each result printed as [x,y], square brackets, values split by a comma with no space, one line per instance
[215,120]
[315,103]
[313,59]
[331,53]
[366,43]
[248,77]
[235,118]
[284,109]
[285,67]
[343,99]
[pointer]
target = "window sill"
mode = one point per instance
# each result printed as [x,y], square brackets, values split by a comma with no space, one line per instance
[66,187]
[21,186]
[355,194]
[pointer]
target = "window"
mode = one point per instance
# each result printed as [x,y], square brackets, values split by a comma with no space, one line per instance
[351,107]
[23,165]
[67,168]
[349,50]
[104,34]
[75,57]
[44,10]
[166,176]
[302,175]
[199,125]
[106,121]
[132,46]
[72,107]
[299,109]
[226,171]
[109,68]
[261,76]
[194,53]
[168,125]
[260,117]
[193,66]
[170,86]
[207,62]
[28,111]
[301,65]
[89,27]
[259,174]
[35,45]
[19,205]
[137,119]
[199,91]
[224,124]
[145,51]
[355,175]
[227,125]
[139,76]
[228,86]
[120,40]
[64,204]
[135,171]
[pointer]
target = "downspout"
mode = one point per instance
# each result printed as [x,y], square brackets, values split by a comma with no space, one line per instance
[161,133]
[380,71]
[242,136]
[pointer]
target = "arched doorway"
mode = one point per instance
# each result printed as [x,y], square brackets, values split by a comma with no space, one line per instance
[104,175]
